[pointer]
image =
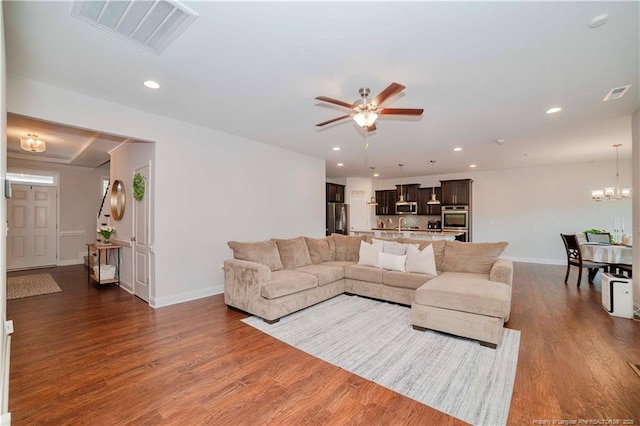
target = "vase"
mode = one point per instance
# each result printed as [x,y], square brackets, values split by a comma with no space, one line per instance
[107,240]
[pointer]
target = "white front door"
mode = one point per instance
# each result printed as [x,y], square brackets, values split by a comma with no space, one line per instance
[31,215]
[141,240]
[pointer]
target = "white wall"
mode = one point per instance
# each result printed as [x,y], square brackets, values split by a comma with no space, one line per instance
[124,159]
[530,207]
[635,136]
[5,340]
[211,187]
[79,198]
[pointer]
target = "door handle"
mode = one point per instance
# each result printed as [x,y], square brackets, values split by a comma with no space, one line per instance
[133,239]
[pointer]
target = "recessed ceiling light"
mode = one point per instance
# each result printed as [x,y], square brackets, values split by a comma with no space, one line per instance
[340,164]
[376,174]
[473,166]
[554,110]
[499,141]
[598,21]
[336,148]
[456,149]
[151,84]
[526,154]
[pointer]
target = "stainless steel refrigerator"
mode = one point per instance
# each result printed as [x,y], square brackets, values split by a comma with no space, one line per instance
[337,218]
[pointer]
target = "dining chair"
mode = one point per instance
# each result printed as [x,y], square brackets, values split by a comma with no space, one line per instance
[604,237]
[574,258]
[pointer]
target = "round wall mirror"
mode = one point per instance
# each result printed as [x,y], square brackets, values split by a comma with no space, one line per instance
[118,200]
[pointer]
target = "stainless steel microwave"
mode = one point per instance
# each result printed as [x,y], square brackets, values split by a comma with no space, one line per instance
[408,207]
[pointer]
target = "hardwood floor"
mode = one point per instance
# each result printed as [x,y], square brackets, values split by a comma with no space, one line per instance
[100,356]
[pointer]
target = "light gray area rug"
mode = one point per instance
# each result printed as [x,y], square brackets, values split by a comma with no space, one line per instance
[31,285]
[375,340]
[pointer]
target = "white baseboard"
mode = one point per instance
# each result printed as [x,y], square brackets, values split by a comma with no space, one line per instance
[5,419]
[185,297]
[70,262]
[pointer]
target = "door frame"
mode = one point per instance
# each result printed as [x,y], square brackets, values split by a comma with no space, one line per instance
[150,225]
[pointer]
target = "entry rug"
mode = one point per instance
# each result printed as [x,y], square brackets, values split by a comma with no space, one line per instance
[31,285]
[375,340]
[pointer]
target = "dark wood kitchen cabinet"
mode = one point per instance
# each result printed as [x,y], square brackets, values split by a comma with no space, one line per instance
[456,192]
[386,202]
[335,193]
[424,195]
[410,192]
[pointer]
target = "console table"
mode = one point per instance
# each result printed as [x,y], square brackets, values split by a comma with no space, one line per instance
[98,250]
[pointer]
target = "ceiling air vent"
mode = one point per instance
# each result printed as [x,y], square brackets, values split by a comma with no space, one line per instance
[152,25]
[616,93]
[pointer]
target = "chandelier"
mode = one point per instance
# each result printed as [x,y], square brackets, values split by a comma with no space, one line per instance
[33,144]
[613,193]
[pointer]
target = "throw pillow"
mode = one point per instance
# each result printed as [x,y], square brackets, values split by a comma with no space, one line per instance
[422,262]
[369,253]
[265,252]
[347,247]
[293,252]
[392,262]
[475,258]
[321,249]
[393,247]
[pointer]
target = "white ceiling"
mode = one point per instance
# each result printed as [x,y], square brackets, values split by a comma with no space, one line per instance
[481,70]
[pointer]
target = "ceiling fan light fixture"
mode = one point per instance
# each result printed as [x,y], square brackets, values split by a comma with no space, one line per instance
[365,118]
[33,144]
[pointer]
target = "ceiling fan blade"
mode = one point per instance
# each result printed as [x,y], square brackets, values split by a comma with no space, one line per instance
[334,101]
[401,111]
[332,120]
[391,90]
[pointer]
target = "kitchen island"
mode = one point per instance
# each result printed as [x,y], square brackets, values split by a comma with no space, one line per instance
[421,234]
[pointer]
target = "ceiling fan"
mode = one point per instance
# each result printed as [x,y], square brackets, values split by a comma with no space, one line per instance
[365,111]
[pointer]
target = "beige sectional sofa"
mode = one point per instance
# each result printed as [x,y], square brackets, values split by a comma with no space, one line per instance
[467,293]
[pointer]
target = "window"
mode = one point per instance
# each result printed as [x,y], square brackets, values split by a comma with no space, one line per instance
[31,179]
[105,185]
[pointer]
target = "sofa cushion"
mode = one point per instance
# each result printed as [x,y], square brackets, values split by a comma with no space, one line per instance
[394,247]
[364,273]
[476,258]
[438,248]
[368,255]
[466,292]
[287,282]
[325,274]
[405,279]
[321,249]
[293,252]
[392,262]
[265,252]
[347,246]
[421,262]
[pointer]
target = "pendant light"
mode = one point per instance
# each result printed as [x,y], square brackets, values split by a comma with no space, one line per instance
[434,198]
[613,193]
[373,201]
[401,201]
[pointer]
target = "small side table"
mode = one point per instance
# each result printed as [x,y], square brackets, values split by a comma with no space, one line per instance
[99,249]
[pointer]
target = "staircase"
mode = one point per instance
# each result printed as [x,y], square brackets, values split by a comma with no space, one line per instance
[103,217]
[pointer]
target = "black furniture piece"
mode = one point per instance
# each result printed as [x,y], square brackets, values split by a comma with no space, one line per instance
[574,258]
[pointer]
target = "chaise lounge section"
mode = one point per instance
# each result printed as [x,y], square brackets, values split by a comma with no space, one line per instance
[454,287]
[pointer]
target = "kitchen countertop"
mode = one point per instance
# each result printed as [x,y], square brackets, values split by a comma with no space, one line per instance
[417,231]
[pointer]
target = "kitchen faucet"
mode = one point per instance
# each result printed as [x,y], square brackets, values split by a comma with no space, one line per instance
[400,220]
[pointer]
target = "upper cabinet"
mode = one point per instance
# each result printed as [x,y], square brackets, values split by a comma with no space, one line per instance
[386,202]
[456,192]
[410,192]
[424,195]
[335,193]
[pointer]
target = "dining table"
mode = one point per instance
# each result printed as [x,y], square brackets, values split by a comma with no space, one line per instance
[607,253]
